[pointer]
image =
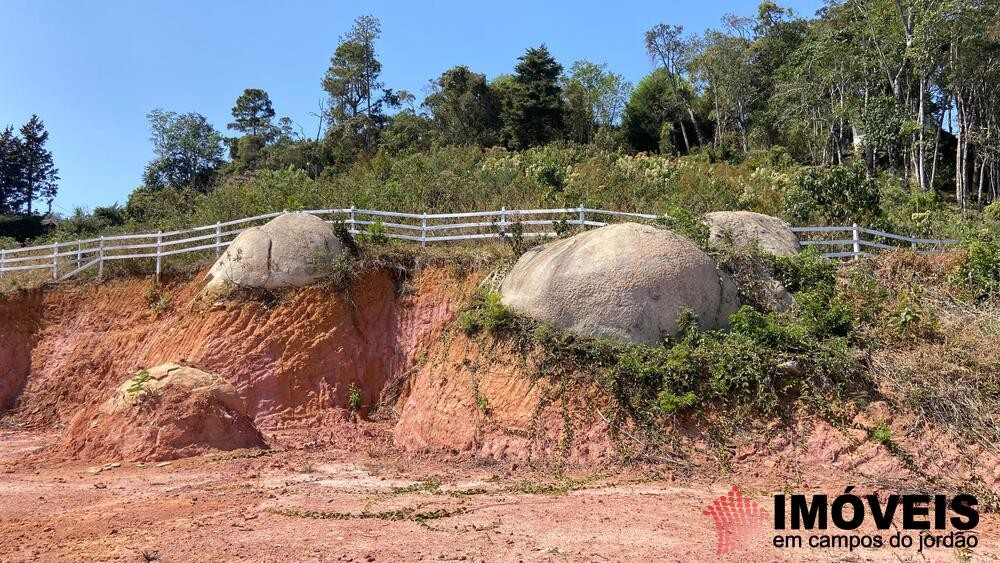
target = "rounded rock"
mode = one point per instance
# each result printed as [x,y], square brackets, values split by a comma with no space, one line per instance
[626,282]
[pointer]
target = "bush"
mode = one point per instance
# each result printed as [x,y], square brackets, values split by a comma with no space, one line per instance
[488,316]
[835,194]
[979,272]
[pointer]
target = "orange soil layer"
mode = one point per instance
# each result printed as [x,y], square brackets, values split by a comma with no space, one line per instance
[291,361]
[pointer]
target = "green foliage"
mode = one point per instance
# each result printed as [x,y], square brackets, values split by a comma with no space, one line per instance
[377,233]
[991,213]
[188,150]
[979,271]
[354,397]
[806,271]
[655,106]
[739,371]
[253,113]
[27,171]
[532,104]
[881,433]
[681,220]
[836,194]
[138,383]
[464,108]
[489,316]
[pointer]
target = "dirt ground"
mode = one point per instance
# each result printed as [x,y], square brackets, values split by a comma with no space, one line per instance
[362,502]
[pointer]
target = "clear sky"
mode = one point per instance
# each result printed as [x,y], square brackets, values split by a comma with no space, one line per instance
[92,70]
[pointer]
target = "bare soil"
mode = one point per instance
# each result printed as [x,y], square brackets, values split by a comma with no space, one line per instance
[322,502]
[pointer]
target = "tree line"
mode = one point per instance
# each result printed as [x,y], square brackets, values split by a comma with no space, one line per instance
[904,88]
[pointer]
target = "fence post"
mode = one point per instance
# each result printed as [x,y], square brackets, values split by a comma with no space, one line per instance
[351,229]
[3,260]
[583,226]
[55,261]
[423,230]
[856,236]
[913,242]
[503,221]
[100,259]
[218,239]
[79,254]
[159,241]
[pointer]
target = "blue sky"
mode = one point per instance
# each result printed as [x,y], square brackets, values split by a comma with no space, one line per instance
[96,68]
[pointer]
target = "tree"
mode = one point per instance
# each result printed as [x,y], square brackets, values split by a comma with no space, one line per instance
[464,108]
[253,113]
[408,132]
[39,175]
[605,92]
[655,106]
[357,96]
[533,106]
[11,179]
[188,150]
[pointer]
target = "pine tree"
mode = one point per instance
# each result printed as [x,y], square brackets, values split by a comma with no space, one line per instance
[11,182]
[253,113]
[533,108]
[38,173]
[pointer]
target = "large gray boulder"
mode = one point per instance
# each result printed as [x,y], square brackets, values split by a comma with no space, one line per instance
[746,228]
[626,282]
[281,253]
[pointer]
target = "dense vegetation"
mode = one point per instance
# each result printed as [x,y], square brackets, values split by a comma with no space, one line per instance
[873,111]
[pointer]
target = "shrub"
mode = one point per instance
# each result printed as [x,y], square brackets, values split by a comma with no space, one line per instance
[377,233]
[354,397]
[835,194]
[488,316]
[979,271]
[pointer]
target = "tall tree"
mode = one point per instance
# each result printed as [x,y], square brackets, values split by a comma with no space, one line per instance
[652,112]
[253,113]
[667,47]
[39,175]
[358,97]
[604,91]
[533,106]
[188,150]
[464,108]
[11,178]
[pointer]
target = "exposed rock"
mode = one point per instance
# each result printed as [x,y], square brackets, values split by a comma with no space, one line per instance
[166,412]
[627,282]
[746,227]
[281,253]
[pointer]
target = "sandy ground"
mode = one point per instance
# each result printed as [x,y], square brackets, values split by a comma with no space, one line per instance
[336,504]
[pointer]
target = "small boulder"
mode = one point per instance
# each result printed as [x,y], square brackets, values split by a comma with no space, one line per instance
[626,282]
[281,253]
[166,412]
[746,227]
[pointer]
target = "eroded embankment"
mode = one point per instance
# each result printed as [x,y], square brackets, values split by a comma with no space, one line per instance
[292,357]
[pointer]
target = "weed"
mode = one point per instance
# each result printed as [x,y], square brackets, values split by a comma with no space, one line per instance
[881,433]
[488,316]
[377,233]
[354,397]
[157,300]
[138,383]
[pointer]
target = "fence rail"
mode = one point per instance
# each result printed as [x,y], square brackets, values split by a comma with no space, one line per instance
[65,260]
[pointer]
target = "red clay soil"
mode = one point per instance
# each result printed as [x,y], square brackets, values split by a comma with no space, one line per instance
[19,320]
[292,361]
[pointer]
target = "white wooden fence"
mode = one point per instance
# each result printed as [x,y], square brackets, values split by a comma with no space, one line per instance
[67,259]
